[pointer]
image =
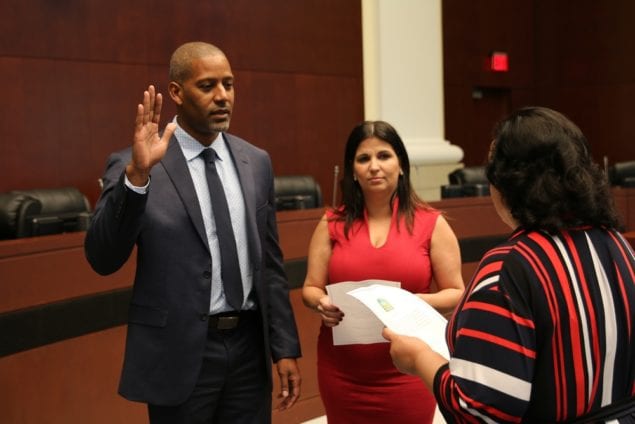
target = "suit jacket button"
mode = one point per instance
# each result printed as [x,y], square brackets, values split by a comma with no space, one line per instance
[207,275]
[204,317]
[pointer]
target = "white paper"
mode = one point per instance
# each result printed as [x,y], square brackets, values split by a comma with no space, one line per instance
[406,314]
[359,325]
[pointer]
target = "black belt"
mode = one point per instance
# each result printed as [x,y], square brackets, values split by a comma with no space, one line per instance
[229,320]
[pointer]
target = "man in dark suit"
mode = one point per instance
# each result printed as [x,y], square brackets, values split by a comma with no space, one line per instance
[191,355]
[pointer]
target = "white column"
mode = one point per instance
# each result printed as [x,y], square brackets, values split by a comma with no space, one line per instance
[403,84]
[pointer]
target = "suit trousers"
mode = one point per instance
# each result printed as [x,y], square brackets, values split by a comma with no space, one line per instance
[232,385]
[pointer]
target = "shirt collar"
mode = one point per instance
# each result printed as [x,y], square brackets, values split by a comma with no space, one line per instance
[192,148]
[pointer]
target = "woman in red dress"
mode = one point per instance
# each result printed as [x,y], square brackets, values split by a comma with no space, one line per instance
[382,230]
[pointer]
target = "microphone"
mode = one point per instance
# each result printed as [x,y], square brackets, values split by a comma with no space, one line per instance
[336,172]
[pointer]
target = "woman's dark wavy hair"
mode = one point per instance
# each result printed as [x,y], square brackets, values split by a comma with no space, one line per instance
[352,207]
[541,165]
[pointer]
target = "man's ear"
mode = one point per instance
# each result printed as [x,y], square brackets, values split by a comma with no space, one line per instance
[176,92]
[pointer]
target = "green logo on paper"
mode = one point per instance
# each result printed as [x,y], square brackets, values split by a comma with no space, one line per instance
[384,304]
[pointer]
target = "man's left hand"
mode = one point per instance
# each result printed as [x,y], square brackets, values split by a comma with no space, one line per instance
[290,382]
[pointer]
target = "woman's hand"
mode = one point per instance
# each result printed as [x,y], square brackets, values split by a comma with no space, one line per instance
[331,314]
[413,356]
[404,350]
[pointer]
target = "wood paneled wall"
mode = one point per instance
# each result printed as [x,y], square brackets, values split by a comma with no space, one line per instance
[585,67]
[575,58]
[72,72]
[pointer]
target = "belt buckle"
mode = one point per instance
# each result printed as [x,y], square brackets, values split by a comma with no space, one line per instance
[227,323]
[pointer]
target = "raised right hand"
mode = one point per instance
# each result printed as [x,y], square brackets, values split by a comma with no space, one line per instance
[147,147]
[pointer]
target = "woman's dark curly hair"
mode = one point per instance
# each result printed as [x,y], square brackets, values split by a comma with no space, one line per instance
[352,207]
[541,165]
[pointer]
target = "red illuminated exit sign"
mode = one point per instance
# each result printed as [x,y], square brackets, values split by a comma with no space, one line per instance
[498,62]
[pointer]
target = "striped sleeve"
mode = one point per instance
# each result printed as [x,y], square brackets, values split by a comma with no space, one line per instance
[544,331]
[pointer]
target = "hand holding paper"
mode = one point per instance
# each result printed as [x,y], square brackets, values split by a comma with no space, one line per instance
[405,313]
[360,325]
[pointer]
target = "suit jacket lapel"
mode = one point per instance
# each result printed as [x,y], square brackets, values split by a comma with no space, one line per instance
[247,183]
[176,167]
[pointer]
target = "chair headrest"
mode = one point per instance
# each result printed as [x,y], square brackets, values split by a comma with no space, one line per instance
[59,200]
[468,175]
[622,174]
[26,213]
[14,206]
[297,192]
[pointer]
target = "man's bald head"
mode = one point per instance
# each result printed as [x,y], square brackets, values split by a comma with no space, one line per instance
[182,58]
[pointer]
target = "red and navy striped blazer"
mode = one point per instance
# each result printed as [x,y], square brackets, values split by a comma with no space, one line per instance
[545,331]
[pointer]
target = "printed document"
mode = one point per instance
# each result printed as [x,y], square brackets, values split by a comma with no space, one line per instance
[360,325]
[406,314]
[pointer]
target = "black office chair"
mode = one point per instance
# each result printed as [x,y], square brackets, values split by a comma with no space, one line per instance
[468,175]
[622,174]
[28,213]
[466,182]
[297,192]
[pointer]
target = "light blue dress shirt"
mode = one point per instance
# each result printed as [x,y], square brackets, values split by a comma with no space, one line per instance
[229,177]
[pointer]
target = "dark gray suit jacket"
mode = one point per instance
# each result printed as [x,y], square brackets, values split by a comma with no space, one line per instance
[167,323]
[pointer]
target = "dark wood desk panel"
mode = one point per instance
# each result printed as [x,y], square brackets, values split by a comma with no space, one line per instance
[33,245]
[295,229]
[476,216]
[40,270]
[76,378]
[472,216]
[74,381]
[310,404]
[625,203]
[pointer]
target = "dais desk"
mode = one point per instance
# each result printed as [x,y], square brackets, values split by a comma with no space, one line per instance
[62,326]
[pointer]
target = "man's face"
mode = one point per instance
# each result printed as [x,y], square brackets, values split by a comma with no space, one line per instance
[205,100]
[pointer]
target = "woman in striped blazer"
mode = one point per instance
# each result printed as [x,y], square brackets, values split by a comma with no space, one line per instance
[546,330]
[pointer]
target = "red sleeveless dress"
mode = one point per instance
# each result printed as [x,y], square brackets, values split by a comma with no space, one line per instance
[359,383]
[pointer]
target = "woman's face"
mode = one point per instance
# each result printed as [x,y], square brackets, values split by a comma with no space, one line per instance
[376,166]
